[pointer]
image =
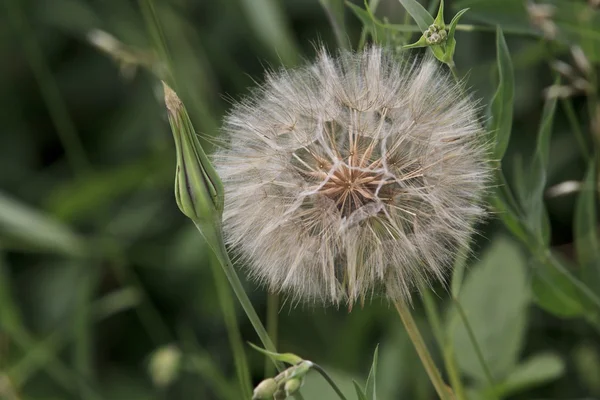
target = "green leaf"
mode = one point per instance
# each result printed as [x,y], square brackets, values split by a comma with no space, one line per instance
[555,293]
[371,386]
[36,230]
[509,217]
[535,371]
[418,13]
[534,207]
[282,357]
[373,26]
[586,231]
[509,14]
[502,103]
[360,395]
[451,41]
[271,26]
[495,297]
[439,18]
[335,13]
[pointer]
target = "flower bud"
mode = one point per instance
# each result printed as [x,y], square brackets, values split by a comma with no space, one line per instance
[265,390]
[198,188]
[164,365]
[292,386]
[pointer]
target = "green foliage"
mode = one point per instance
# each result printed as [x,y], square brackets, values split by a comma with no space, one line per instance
[497,320]
[107,292]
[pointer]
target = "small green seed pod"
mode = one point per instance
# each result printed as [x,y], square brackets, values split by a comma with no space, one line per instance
[292,386]
[265,390]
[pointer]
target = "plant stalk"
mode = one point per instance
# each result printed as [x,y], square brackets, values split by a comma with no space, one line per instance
[415,336]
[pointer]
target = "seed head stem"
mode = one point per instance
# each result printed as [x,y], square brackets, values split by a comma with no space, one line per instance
[441,388]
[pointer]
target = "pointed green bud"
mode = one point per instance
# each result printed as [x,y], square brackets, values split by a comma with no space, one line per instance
[265,390]
[439,37]
[292,386]
[198,188]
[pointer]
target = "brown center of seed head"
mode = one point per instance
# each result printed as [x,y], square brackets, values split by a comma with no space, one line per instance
[353,179]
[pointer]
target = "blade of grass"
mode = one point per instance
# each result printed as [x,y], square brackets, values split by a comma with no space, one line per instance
[43,354]
[83,326]
[269,22]
[37,230]
[503,101]
[235,339]
[200,362]
[335,13]
[50,92]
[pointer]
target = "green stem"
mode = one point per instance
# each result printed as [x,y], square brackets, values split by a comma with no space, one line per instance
[50,92]
[272,325]
[454,71]
[233,331]
[422,351]
[576,127]
[325,375]
[444,344]
[473,339]
[213,236]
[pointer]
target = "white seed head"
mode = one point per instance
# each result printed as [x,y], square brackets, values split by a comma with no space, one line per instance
[356,175]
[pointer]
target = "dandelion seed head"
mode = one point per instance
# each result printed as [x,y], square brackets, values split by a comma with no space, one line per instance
[360,174]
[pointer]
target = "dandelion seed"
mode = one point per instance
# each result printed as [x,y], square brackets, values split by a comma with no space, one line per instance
[354,176]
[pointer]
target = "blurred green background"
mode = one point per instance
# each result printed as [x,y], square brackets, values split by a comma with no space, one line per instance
[99,270]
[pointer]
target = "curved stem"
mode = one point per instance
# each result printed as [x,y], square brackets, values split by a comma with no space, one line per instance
[324,374]
[212,233]
[213,239]
[444,344]
[272,322]
[422,351]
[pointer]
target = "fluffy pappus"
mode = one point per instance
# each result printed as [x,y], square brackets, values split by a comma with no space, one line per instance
[358,174]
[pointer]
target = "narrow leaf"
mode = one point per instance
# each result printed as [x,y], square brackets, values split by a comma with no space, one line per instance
[37,230]
[555,292]
[418,13]
[439,19]
[586,230]
[360,395]
[451,41]
[283,357]
[534,207]
[502,102]
[335,13]
[535,371]
[371,386]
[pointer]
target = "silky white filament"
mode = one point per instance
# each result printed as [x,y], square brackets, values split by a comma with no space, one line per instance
[356,175]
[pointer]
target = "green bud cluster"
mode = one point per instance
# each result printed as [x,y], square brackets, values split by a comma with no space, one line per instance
[435,34]
[283,385]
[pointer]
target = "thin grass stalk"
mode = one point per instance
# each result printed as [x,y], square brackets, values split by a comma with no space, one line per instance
[233,331]
[576,127]
[272,327]
[213,236]
[65,128]
[444,344]
[415,336]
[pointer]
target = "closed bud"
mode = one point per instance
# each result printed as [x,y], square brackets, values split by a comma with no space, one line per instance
[265,390]
[292,386]
[198,188]
[164,365]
